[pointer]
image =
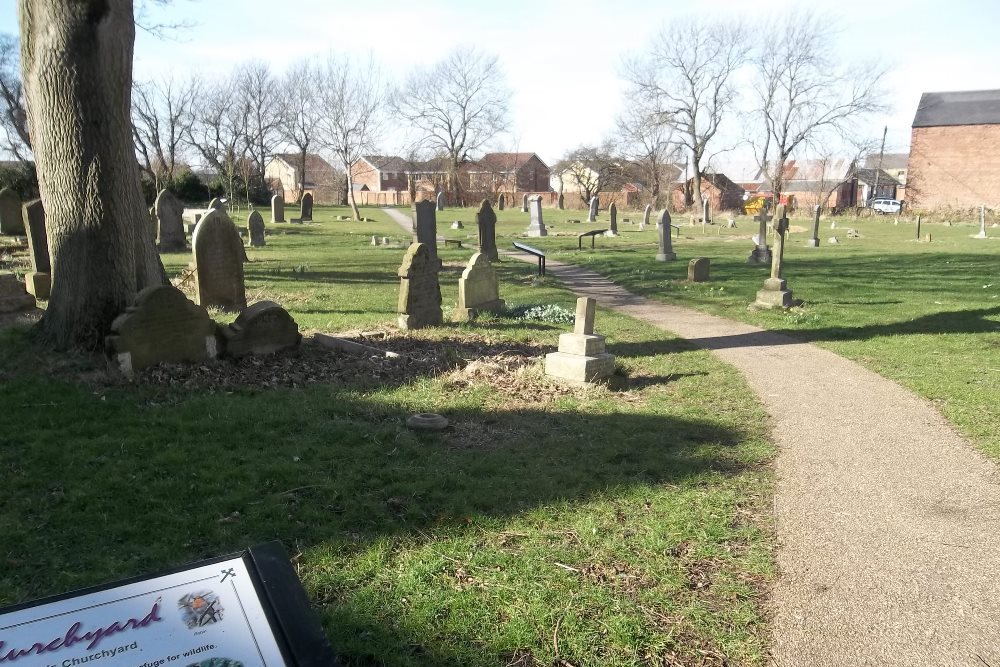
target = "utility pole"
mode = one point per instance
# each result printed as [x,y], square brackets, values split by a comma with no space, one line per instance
[878,170]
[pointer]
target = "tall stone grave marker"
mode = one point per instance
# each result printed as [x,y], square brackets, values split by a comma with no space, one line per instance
[306,207]
[440,201]
[524,204]
[592,214]
[761,254]
[645,215]
[501,202]
[613,224]
[478,290]
[425,226]
[255,228]
[813,242]
[39,281]
[982,223]
[536,227]
[664,230]
[581,358]
[218,263]
[775,293]
[486,221]
[11,220]
[419,292]
[277,208]
[169,214]
[705,212]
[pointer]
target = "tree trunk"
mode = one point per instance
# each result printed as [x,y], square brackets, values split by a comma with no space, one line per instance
[456,186]
[76,64]
[302,174]
[696,179]
[351,198]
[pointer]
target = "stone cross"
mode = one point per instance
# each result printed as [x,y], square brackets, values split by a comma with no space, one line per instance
[613,214]
[594,204]
[11,221]
[663,228]
[524,204]
[537,226]
[255,228]
[169,213]
[277,208]
[306,207]
[486,221]
[761,254]
[585,309]
[780,229]
[425,226]
[814,241]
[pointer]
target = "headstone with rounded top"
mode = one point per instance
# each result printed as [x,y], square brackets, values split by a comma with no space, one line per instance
[486,221]
[419,291]
[306,207]
[255,228]
[613,220]
[39,281]
[646,213]
[169,214]
[218,263]
[501,202]
[664,230]
[698,269]
[537,226]
[478,290]
[11,220]
[263,328]
[277,208]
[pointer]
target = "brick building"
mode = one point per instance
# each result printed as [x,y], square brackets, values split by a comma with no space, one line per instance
[509,172]
[283,175]
[954,162]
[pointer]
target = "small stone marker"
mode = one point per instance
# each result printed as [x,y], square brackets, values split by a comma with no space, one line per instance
[562,201]
[613,224]
[255,228]
[501,202]
[277,208]
[218,262]
[11,220]
[425,226]
[478,290]
[169,214]
[457,225]
[581,358]
[13,297]
[982,224]
[486,221]
[537,226]
[440,201]
[419,292]
[706,213]
[833,240]
[306,208]
[775,293]
[833,224]
[664,230]
[814,241]
[592,212]
[163,326]
[263,328]
[374,240]
[761,254]
[39,281]
[853,234]
[524,204]
[698,269]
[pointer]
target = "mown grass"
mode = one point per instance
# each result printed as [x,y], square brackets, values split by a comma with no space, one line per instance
[926,314]
[626,526]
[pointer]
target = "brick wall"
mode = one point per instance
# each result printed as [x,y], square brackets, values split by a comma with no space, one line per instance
[954,167]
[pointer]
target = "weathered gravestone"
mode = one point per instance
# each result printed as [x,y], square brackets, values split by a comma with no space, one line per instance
[537,226]
[13,297]
[169,214]
[440,201]
[813,241]
[581,358]
[698,269]
[761,254]
[263,328]
[982,224]
[306,208]
[592,213]
[163,326]
[486,220]
[457,224]
[706,212]
[11,222]
[255,228]
[613,224]
[645,215]
[664,230]
[425,226]
[775,293]
[277,208]
[478,290]
[501,202]
[218,263]
[419,292]
[39,281]
[524,204]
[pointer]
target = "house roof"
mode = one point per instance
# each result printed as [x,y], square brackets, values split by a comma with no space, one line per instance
[966,107]
[739,171]
[889,161]
[385,162]
[314,163]
[868,176]
[504,162]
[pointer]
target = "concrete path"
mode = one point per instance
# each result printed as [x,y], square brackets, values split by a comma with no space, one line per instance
[888,521]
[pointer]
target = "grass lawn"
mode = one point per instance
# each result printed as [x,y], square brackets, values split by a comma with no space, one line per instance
[624,526]
[924,314]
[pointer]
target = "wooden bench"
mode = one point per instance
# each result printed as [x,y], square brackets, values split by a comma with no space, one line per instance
[593,234]
[533,251]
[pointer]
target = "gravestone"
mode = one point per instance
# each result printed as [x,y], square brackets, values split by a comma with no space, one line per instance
[11,221]
[277,208]
[698,270]
[664,230]
[918,227]
[581,358]
[645,215]
[562,201]
[592,213]
[813,242]
[537,226]
[425,226]
[263,328]
[14,298]
[524,204]
[255,228]
[705,215]
[39,281]
[982,224]
[501,202]
[306,208]
[218,263]
[216,205]
[457,224]
[775,293]
[613,224]
[486,221]
[478,290]
[169,213]
[162,326]
[419,292]
[761,254]
[440,201]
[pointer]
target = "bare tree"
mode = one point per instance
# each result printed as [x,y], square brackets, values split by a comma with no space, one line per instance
[161,118]
[590,169]
[805,92]
[456,107]
[648,141]
[14,118]
[258,92]
[686,75]
[218,129]
[352,101]
[299,123]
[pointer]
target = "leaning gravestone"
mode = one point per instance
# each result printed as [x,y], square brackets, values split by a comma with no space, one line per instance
[524,204]
[306,208]
[255,228]
[13,297]
[698,269]
[537,226]
[425,226]
[277,208]
[813,241]
[613,224]
[486,221]
[169,213]
[11,222]
[263,328]
[664,229]
[440,201]
[478,290]
[163,326]
[39,281]
[592,214]
[645,215]
[419,292]
[218,263]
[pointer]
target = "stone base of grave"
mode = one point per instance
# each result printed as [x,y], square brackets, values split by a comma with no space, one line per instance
[297,221]
[980,235]
[581,360]
[759,256]
[38,284]
[13,297]
[537,231]
[666,257]
[470,314]
[812,243]
[774,294]
[420,321]
[611,233]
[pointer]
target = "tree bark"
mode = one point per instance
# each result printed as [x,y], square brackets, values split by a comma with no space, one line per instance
[76,64]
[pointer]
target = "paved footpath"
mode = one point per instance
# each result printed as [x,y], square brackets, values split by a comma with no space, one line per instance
[888,521]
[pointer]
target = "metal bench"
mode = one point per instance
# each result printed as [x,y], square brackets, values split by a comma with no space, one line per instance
[593,234]
[533,251]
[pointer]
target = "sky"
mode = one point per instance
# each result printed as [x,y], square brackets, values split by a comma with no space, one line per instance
[562,58]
